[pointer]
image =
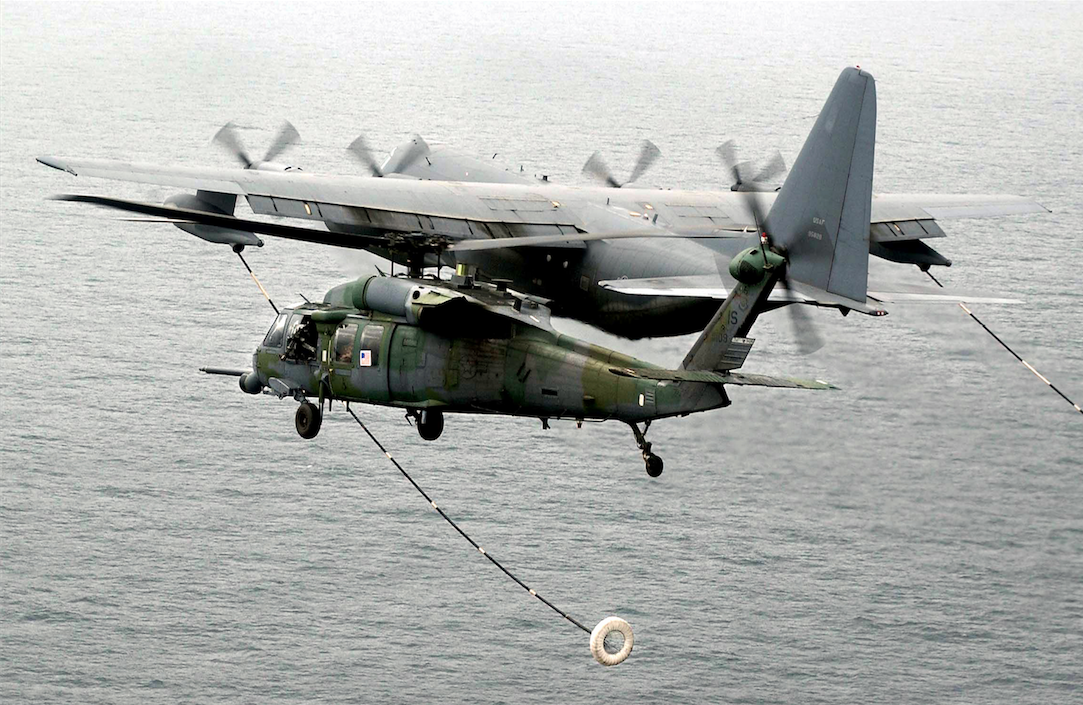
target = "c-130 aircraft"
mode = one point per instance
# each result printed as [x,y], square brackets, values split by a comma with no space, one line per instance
[634,262]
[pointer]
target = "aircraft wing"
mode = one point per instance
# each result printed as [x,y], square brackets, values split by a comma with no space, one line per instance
[206,179]
[515,207]
[369,206]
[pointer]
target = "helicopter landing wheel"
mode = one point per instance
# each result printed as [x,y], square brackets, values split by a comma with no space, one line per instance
[308,420]
[430,424]
[654,464]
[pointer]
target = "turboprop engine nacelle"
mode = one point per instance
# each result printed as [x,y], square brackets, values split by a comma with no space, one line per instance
[220,204]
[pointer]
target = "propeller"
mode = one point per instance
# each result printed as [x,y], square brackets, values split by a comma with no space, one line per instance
[772,168]
[228,138]
[401,159]
[739,170]
[359,148]
[805,334]
[599,170]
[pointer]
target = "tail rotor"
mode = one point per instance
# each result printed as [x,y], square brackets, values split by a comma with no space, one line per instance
[805,333]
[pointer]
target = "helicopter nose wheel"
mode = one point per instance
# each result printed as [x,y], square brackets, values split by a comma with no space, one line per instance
[653,462]
[430,424]
[308,420]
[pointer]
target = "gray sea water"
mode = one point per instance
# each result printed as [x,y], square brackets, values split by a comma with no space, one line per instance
[914,537]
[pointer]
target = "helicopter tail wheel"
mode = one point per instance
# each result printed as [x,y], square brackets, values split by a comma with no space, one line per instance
[652,461]
[654,464]
[611,641]
[308,420]
[430,424]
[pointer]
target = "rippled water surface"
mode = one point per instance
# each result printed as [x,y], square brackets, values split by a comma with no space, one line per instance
[914,537]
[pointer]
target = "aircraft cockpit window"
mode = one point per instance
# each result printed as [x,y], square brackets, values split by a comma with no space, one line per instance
[276,333]
[344,338]
[302,339]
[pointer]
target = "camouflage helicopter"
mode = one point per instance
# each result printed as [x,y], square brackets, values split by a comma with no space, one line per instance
[435,347]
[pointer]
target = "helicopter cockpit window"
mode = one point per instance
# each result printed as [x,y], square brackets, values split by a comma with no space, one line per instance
[276,333]
[302,339]
[344,338]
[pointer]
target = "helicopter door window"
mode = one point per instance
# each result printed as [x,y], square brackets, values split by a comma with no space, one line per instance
[302,340]
[371,338]
[344,338]
[276,333]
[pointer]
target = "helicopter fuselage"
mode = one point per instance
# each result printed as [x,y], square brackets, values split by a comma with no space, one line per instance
[316,350]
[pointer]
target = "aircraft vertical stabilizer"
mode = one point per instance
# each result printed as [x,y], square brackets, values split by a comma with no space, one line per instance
[821,215]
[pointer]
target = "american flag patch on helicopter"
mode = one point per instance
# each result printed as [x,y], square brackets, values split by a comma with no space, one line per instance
[365,359]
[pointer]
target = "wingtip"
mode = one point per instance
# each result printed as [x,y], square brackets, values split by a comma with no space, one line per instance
[55,163]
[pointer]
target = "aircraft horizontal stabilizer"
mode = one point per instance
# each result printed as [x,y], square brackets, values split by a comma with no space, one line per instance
[735,378]
[941,297]
[709,286]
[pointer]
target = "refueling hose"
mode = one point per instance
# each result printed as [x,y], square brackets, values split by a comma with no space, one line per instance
[597,635]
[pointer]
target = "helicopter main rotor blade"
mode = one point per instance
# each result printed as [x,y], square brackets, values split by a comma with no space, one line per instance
[425,242]
[186,215]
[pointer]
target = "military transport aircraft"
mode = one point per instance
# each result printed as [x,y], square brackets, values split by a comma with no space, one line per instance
[635,262]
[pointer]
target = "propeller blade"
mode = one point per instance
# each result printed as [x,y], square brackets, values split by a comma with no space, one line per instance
[740,171]
[752,198]
[286,137]
[648,155]
[728,154]
[775,166]
[599,170]
[360,149]
[805,334]
[228,139]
